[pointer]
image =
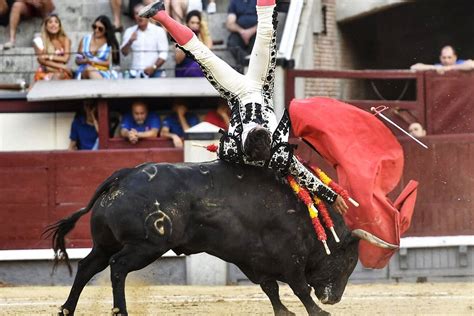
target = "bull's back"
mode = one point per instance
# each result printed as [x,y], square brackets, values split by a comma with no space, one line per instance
[208,206]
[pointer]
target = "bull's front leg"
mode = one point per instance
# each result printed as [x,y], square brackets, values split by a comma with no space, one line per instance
[271,289]
[302,290]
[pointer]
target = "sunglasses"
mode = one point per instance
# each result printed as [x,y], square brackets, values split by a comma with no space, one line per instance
[97,27]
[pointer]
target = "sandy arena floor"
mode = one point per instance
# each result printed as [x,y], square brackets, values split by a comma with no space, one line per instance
[366,299]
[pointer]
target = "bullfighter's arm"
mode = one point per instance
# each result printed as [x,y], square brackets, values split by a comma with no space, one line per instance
[311,182]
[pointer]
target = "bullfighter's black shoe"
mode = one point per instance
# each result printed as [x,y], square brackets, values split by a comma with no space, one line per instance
[152,9]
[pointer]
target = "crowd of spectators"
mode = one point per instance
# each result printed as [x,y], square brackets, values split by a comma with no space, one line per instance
[98,53]
[140,123]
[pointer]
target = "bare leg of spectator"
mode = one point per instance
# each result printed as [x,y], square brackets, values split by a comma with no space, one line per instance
[3,7]
[91,73]
[116,10]
[19,9]
[178,10]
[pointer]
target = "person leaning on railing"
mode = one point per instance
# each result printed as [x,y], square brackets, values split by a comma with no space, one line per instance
[448,61]
[85,128]
[53,50]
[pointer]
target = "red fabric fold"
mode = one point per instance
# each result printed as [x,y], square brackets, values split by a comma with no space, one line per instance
[369,163]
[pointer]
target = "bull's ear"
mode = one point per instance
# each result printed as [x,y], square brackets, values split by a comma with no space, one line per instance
[374,240]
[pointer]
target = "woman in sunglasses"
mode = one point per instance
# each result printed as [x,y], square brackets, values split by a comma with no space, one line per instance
[97,51]
[53,51]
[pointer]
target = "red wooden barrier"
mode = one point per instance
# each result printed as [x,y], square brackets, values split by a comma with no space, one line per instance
[450,102]
[38,188]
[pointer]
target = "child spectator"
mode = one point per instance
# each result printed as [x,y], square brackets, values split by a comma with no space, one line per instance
[84,129]
[177,123]
[140,123]
[186,66]
[53,51]
[149,46]
[96,51]
[220,116]
[26,9]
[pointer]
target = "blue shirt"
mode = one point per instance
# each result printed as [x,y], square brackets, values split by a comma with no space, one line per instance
[152,121]
[82,133]
[172,122]
[246,12]
[458,62]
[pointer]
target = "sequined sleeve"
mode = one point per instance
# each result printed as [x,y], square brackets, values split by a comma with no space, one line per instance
[308,180]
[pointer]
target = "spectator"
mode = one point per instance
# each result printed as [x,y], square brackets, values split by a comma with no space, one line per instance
[26,9]
[242,23]
[5,7]
[448,61]
[177,123]
[149,46]
[187,66]
[97,50]
[139,123]
[53,50]
[416,130]
[179,8]
[220,116]
[84,129]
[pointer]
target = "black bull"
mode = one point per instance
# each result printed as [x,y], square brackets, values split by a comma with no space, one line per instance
[241,214]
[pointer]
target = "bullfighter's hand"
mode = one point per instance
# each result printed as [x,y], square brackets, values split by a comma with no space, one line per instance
[340,205]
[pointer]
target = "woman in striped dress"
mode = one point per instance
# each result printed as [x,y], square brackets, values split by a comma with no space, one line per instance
[97,51]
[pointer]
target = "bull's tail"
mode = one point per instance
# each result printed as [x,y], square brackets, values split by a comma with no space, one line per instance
[60,229]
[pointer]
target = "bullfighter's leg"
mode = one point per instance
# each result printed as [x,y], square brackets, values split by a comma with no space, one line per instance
[302,290]
[224,78]
[96,261]
[271,289]
[131,258]
[262,61]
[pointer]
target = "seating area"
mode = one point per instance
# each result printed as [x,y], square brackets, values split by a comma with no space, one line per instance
[19,63]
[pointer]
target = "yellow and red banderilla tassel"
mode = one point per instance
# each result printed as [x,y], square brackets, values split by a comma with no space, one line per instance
[326,217]
[305,197]
[333,185]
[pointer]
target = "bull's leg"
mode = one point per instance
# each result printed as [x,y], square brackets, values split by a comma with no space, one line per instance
[96,261]
[271,289]
[130,258]
[300,287]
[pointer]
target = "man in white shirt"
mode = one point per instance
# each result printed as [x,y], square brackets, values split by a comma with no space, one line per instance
[149,46]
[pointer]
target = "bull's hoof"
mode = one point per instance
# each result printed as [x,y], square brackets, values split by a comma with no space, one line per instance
[116,312]
[284,313]
[323,313]
[63,311]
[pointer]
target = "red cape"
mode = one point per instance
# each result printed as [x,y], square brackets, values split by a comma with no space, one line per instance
[369,163]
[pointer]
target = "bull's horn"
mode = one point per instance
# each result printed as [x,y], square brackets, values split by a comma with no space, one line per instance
[374,240]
